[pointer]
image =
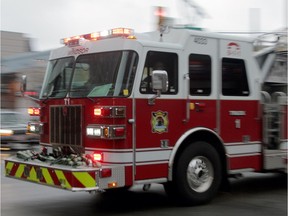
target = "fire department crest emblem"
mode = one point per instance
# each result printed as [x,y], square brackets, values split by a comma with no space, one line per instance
[159,122]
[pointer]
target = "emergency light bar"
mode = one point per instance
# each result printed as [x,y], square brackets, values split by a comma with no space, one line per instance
[117,32]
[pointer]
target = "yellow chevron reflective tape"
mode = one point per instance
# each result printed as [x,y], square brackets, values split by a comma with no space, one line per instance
[61,177]
[47,176]
[20,171]
[9,166]
[85,178]
[33,175]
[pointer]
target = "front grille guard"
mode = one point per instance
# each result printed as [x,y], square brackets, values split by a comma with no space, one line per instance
[66,127]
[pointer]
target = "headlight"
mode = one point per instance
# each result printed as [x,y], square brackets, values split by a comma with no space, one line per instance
[93,131]
[106,131]
[34,128]
[6,132]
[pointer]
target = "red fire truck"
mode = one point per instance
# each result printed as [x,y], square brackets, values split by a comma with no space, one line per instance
[181,107]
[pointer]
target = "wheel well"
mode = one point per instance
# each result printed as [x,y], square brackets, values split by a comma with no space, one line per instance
[211,139]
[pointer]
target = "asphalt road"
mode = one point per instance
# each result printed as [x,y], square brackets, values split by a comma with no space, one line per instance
[255,194]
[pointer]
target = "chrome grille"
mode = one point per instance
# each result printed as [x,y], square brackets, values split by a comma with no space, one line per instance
[65,125]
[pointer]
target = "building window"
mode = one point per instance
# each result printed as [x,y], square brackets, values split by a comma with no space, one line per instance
[200,74]
[160,61]
[234,77]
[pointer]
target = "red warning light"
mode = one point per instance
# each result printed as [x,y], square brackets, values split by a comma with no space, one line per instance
[160,13]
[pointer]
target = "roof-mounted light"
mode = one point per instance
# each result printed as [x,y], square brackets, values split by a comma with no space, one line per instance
[122,31]
[117,32]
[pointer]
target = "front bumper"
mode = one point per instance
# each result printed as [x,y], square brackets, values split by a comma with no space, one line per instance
[64,177]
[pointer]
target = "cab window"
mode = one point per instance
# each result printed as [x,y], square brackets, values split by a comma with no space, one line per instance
[160,61]
[200,74]
[234,77]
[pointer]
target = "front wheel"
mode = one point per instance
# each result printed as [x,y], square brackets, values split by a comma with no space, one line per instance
[197,174]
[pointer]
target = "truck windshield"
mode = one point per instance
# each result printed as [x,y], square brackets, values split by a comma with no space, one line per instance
[108,74]
[57,79]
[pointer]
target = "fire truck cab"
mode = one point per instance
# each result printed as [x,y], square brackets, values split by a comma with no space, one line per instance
[180,107]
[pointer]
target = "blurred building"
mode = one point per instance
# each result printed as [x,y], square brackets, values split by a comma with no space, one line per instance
[13,43]
[17,59]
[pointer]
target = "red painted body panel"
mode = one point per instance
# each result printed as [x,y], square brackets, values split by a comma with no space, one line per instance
[250,123]
[176,110]
[173,113]
[243,162]
[89,118]
[128,175]
[151,171]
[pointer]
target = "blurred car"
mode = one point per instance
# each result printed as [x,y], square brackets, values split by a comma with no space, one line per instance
[13,130]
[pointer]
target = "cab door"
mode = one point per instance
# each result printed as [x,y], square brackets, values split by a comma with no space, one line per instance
[240,124]
[201,53]
[157,118]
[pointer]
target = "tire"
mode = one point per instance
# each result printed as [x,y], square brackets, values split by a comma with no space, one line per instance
[197,175]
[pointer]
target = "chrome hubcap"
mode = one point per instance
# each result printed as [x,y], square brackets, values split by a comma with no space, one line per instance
[200,174]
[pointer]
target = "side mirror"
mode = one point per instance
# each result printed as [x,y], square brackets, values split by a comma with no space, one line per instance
[23,89]
[159,84]
[23,85]
[160,81]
